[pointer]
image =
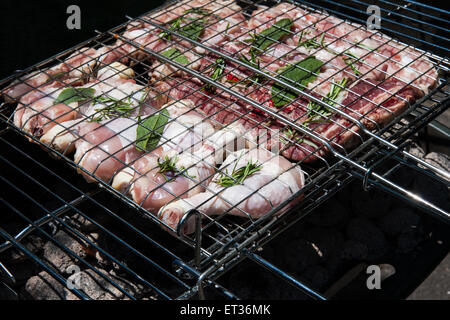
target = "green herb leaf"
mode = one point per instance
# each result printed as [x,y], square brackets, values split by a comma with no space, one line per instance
[270,35]
[315,110]
[192,30]
[217,73]
[175,55]
[114,108]
[70,95]
[149,131]
[350,59]
[238,176]
[298,74]
[168,168]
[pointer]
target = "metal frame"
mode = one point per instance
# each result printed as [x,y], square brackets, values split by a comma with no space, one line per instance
[376,147]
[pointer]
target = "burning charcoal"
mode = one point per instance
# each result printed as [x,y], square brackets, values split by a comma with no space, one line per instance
[354,250]
[398,221]
[439,160]
[332,214]
[432,190]
[325,240]
[98,288]
[362,230]
[297,256]
[33,243]
[409,240]
[317,276]
[387,270]
[371,204]
[59,258]
[416,150]
[80,222]
[44,287]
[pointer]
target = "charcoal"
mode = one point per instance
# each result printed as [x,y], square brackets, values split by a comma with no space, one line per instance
[60,259]
[317,276]
[439,160]
[432,191]
[97,287]
[326,240]
[387,270]
[297,256]
[409,240]
[362,230]
[354,250]
[398,221]
[371,204]
[32,243]
[44,287]
[331,214]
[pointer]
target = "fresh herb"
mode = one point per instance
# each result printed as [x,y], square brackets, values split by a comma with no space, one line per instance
[270,35]
[217,73]
[311,43]
[168,168]
[350,60]
[54,77]
[69,95]
[316,109]
[173,26]
[114,108]
[175,55]
[294,135]
[238,176]
[290,134]
[192,30]
[255,63]
[299,74]
[363,46]
[150,130]
[200,11]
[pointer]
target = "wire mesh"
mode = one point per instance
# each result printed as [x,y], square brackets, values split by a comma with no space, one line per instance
[197,67]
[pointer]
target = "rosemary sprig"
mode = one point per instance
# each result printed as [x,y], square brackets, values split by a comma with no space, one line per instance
[113,108]
[217,73]
[255,63]
[238,176]
[193,28]
[169,170]
[315,109]
[350,59]
[312,43]
[173,26]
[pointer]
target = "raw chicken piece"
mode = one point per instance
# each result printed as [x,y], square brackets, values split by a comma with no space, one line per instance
[78,68]
[152,187]
[276,181]
[106,147]
[193,161]
[183,135]
[38,113]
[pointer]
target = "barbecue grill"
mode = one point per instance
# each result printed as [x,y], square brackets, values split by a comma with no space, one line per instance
[52,198]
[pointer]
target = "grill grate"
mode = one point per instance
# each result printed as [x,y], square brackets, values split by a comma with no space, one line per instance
[221,240]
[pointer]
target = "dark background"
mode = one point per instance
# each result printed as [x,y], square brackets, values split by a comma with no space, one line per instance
[31,31]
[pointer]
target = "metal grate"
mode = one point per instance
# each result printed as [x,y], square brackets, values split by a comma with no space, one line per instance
[223,240]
